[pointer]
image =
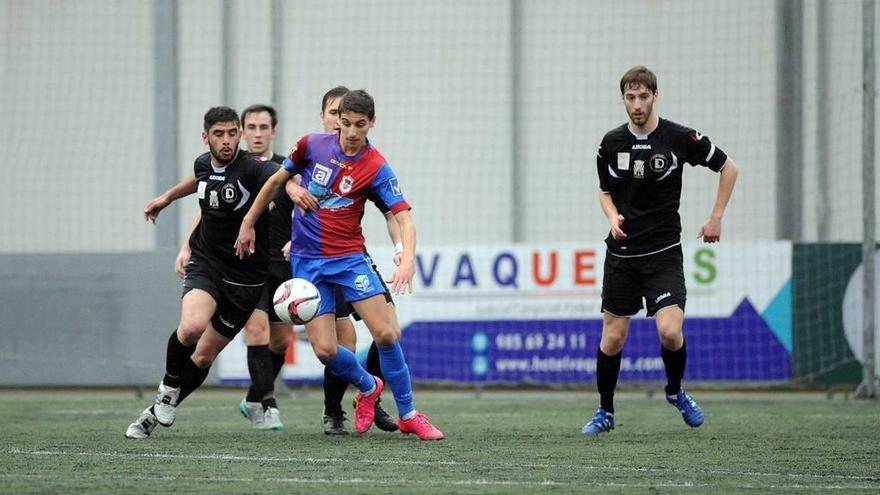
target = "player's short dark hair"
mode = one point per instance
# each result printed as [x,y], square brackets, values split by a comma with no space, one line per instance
[259,107]
[220,114]
[333,94]
[358,101]
[638,76]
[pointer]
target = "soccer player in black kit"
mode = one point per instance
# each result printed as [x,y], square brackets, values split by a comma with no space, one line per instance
[220,290]
[640,166]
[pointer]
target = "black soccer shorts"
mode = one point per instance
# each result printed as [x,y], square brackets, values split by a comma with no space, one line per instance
[654,282]
[235,302]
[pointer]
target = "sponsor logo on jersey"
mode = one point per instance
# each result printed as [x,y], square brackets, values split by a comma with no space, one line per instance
[213,202]
[362,283]
[343,166]
[201,189]
[639,169]
[641,146]
[228,193]
[345,184]
[395,187]
[322,174]
[623,161]
[217,177]
[658,164]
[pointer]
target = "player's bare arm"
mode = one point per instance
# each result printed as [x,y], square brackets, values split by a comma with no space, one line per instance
[395,236]
[244,244]
[184,253]
[615,219]
[183,188]
[711,230]
[300,196]
[401,280]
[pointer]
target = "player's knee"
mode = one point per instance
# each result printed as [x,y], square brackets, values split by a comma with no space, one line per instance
[612,343]
[203,358]
[670,336]
[255,332]
[189,331]
[324,353]
[386,335]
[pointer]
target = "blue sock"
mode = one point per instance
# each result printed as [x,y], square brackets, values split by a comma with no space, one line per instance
[397,374]
[345,366]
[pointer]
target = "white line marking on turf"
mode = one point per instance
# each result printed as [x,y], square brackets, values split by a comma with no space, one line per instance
[326,460]
[475,482]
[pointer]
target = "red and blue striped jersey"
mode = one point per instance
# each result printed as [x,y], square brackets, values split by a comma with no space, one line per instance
[342,184]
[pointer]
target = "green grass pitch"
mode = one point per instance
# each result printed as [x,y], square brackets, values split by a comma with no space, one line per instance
[499,442]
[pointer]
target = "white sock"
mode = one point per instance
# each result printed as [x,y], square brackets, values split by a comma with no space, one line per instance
[409,415]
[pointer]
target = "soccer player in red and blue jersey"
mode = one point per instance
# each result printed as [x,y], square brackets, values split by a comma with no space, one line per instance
[341,170]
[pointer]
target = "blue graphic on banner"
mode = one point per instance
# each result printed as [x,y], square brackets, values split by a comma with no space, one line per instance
[739,347]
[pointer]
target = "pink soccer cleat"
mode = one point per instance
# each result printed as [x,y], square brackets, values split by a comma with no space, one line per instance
[421,426]
[364,407]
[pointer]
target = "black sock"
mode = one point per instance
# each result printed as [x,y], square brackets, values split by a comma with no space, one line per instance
[176,356]
[262,387]
[675,362]
[191,378]
[607,369]
[373,366]
[277,362]
[334,390]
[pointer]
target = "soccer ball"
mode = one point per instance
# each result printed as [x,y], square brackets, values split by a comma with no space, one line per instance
[296,301]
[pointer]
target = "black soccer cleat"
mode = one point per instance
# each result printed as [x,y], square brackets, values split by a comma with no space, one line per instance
[383,420]
[334,424]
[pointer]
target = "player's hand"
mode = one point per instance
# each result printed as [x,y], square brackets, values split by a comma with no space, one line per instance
[181,261]
[617,227]
[244,244]
[710,231]
[301,197]
[153,207]
[401,281]
[285,250]
[398,257]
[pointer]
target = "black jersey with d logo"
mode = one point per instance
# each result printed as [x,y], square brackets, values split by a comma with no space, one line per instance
[642,173]
[225,195]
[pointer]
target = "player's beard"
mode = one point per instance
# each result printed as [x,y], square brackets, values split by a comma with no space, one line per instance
[224,156]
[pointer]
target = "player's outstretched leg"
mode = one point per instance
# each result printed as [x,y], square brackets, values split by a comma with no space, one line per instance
[397,374]
[382,420]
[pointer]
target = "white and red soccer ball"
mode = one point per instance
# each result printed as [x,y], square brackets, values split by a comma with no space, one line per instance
[296,301]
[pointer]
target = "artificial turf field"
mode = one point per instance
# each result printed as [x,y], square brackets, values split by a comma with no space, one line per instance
[501,442]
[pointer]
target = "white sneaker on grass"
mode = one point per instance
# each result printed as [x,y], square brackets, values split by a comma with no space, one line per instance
[143,425]
[165,407]
[252,411]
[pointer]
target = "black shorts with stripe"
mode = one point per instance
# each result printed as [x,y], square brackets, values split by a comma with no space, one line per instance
[653,282]
[235,301]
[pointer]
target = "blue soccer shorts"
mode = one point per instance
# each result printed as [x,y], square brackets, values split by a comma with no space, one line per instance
[353,274]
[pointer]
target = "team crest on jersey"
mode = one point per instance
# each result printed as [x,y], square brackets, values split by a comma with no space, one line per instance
[213,200]
[658,164]
[639,169]
[345,184]
[228,193]
[623,161]
[322,174]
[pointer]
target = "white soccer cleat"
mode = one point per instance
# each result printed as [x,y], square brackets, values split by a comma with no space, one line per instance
[143,426]
[165,407]
[252,411]
[271,420]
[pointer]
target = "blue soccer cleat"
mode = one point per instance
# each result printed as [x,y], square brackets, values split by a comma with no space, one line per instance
[602,422]
[688,407]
